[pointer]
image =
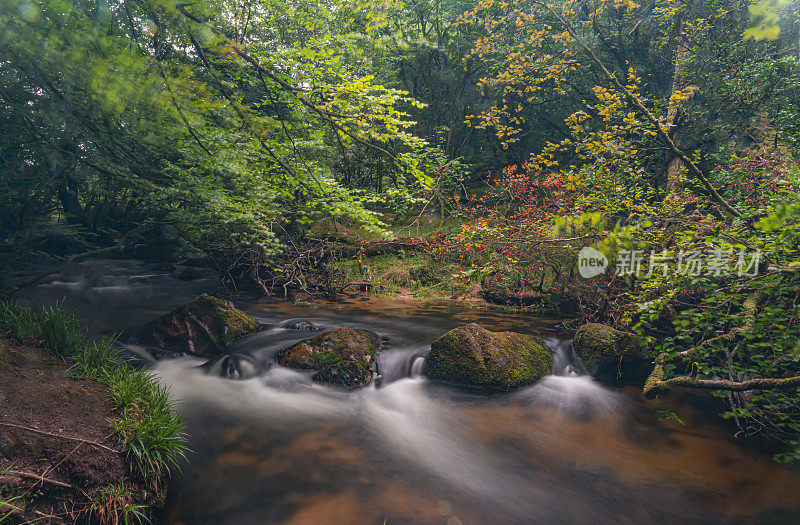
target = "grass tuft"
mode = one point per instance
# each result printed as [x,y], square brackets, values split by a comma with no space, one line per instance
[150,429]
[114,505]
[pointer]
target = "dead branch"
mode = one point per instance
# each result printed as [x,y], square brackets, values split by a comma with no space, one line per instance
[60,436]
[31,475]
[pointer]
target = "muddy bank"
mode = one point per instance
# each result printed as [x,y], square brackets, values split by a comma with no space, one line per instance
[58,454]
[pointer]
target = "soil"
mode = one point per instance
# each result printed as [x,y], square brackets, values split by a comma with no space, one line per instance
[37,393]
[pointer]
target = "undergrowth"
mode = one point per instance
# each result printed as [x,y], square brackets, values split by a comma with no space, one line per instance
[420,275]
[149,428]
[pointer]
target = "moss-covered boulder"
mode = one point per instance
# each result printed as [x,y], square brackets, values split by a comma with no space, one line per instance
[610,355]
[344,356]
[500,360]
[202,327]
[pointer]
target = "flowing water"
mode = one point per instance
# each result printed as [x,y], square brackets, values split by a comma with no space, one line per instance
[279,448]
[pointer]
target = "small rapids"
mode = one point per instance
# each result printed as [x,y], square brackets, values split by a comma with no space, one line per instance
[276,447]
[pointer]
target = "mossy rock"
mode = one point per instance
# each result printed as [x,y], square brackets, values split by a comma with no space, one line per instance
[610,355]
[508,286]
[344,356]
[499,360]
[202,327]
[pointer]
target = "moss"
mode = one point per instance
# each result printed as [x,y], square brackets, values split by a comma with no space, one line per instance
[237,323]
[499,360]
[611,355]
[202,326]
[419,275]
[596,342]
[655,377]
[344,356]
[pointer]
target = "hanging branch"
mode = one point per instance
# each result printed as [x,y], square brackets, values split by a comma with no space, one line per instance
[236,48]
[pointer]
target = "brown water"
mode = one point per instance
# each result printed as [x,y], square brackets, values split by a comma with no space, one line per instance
[280,449]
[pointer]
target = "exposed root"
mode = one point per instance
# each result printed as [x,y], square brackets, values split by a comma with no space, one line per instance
[769,383]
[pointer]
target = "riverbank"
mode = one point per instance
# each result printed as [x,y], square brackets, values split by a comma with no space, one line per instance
[82,434]
[442,262]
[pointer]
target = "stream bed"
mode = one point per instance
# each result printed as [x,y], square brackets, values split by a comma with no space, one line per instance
[280,449]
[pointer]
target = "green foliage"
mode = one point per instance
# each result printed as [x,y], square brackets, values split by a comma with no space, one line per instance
[149,112]
[150,429]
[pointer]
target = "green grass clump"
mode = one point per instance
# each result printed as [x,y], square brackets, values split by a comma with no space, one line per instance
[115,504]
[10,504]
[150,429]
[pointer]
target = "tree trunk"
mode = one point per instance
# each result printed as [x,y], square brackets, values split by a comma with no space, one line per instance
[675,165]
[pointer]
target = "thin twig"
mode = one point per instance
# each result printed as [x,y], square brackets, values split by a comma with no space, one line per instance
[71,438]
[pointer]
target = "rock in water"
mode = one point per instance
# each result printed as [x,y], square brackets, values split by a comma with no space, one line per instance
[201,327]
[501,360]
[234,366]
[307,326]
[610,355]
[344,356]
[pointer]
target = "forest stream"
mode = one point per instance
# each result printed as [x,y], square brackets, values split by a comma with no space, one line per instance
[280,449]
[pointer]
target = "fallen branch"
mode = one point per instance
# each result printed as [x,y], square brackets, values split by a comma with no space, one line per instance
[31,475]
[785,383]
[70,438]
[749,309]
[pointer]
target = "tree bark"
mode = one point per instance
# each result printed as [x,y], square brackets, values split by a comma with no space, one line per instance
[675,165]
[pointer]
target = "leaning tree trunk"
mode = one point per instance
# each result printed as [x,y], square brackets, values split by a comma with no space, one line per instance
[675,165]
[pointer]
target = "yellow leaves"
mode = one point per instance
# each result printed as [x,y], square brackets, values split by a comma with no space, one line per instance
[627,4]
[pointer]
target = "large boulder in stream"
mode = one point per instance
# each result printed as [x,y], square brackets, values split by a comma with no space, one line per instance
[610,355]
[202,327]
[500,360]
[344,356]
